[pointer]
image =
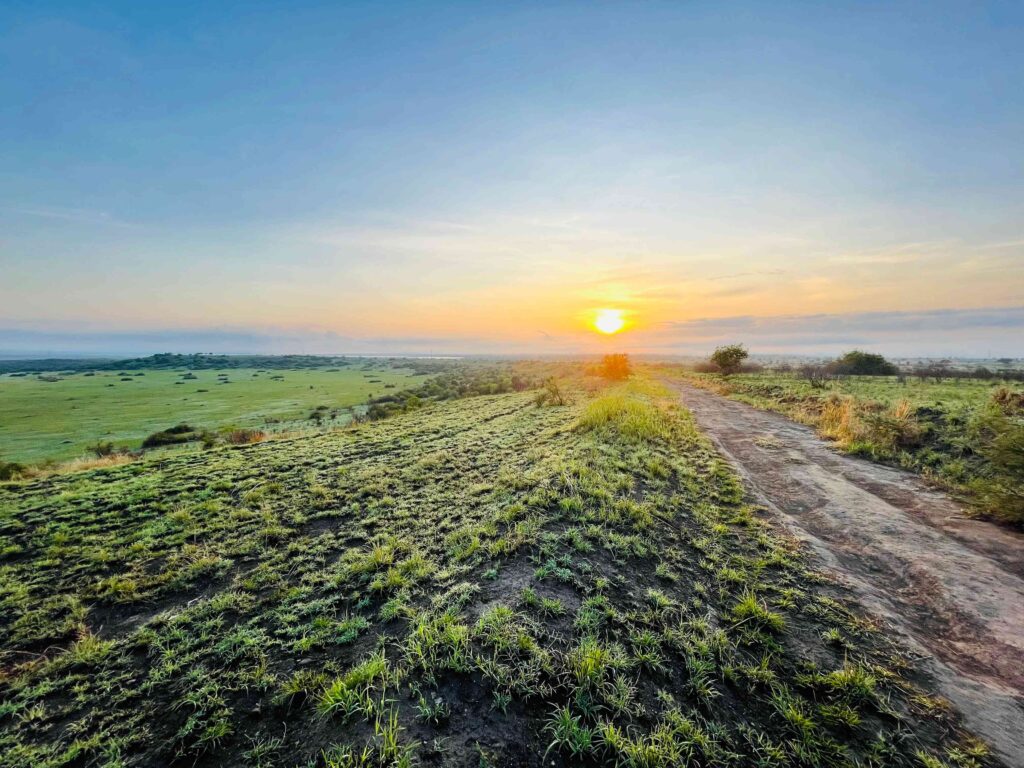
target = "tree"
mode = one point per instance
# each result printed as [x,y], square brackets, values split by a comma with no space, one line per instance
[615,367]
[858,363]
[728,359]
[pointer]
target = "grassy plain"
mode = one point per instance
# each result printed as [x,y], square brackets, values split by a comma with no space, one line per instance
[965,434]
[41,419]
[478,582]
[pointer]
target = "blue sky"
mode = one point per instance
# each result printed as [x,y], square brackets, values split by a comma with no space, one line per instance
[482,177]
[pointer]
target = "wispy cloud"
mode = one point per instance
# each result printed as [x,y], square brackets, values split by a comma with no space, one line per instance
[73,215]
[941,331]
[1000,246]
[758,273]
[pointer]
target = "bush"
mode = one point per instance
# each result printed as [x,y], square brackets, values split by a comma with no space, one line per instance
[245,436]
[1000,437]
[858,363]
[102,449]
[728,359]
[895,428]
[550,393]
[1008,401]
[615,367]
[10,470]
[869,428]
[181,433]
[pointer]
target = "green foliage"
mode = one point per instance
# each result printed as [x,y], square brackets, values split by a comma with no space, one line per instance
[859,363]
[181,433]
[728,359]
[628,412]
[998,433]
[750,609]
[10,470]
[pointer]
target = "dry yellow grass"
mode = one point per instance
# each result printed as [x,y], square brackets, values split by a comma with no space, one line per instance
[80,464]
[849,422]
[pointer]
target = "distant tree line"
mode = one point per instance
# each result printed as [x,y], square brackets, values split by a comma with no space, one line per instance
[857,363]
[731,359]
[200,361]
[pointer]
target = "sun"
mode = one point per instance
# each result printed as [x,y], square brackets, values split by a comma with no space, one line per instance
[609,321]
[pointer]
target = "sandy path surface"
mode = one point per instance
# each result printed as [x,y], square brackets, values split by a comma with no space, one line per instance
[952,588]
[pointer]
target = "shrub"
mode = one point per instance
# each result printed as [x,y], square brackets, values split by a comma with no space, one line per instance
[858,363]
[10,470]
[181,433]
[550,393]
[870,427]
[102,449]
[245,436]
[728,359]
[615,367]
[896,428]
[1008,401]
[1000,437]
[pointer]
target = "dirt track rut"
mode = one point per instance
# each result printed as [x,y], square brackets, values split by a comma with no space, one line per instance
[951,587]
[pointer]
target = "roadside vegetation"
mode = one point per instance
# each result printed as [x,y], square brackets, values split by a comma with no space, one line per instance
[961,429]
[566,575]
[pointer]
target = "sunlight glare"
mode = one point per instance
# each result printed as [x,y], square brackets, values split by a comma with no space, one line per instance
[609,321]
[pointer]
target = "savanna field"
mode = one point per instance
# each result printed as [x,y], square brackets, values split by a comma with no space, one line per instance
[563,575]
[511,385]
[62,414]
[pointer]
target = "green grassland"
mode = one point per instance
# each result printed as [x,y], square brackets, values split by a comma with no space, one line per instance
[965,434]
[953,395]
[477,582]
[41,419]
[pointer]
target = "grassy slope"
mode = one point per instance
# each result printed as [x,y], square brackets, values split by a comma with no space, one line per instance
[56,420]
[946,435]
[476,583]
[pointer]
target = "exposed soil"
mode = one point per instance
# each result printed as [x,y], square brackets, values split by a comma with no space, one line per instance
[952,588]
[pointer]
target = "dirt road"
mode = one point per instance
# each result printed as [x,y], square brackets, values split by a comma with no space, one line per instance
[953,588]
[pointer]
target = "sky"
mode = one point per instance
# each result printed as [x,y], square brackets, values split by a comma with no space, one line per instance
[443,178]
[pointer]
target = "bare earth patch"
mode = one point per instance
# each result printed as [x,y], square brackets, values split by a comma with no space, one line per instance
[951,587]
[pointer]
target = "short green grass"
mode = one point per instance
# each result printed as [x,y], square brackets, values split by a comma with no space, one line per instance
[42,419]
[478,582]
